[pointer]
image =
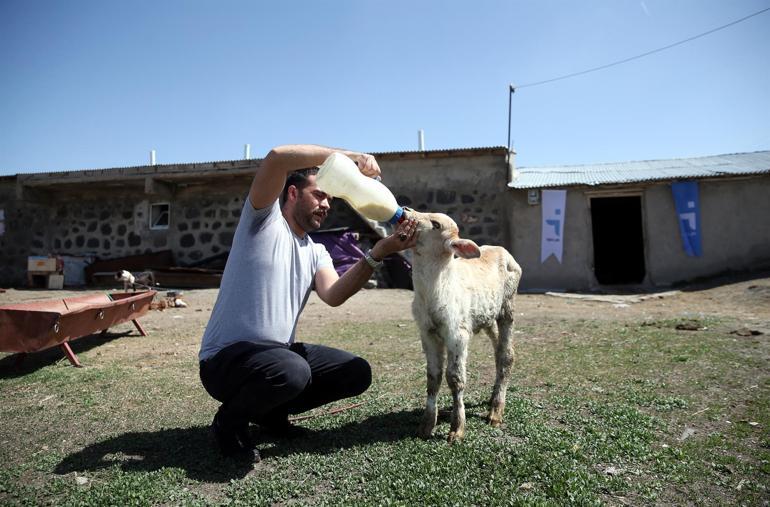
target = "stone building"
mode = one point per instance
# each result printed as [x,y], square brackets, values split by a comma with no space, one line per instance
[192,210]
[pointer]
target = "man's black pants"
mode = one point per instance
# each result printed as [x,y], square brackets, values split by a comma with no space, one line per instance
[264,382]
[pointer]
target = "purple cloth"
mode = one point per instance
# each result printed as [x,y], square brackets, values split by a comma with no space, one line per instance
[342,246]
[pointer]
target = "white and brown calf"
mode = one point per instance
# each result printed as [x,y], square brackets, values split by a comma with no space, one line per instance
[454,298]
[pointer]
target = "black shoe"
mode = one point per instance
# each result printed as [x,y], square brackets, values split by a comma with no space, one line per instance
[244,437]
[231,444]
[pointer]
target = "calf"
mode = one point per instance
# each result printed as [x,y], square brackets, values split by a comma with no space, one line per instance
[454,298]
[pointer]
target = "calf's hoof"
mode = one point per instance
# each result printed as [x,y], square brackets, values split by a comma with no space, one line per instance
[495,421]
[495,416]
[455,437]
[425,431]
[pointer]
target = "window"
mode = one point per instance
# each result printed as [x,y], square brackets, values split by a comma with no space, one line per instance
[160,215]
[2,222]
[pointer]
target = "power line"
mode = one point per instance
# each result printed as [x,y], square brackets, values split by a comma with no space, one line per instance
[594,69]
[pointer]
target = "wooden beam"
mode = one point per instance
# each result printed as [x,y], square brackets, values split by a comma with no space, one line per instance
[153,186]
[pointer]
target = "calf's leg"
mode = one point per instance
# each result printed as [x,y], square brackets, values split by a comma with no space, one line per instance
[503,363]
[457,353]
[433,348]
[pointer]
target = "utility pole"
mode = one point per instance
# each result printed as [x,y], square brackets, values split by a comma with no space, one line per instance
[511,91]
[508,161]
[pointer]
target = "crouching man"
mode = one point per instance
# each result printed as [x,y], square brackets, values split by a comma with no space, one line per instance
[249,359]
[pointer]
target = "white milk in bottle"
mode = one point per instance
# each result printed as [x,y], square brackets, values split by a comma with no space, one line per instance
[339,176]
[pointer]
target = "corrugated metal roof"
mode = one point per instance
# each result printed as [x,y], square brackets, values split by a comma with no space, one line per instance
[650,170]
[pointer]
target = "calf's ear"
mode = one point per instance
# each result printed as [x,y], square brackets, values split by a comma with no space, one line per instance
[465,248]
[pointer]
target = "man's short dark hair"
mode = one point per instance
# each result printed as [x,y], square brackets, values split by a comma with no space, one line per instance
[299,179]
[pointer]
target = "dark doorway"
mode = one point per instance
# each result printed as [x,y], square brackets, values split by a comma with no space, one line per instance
[618,240]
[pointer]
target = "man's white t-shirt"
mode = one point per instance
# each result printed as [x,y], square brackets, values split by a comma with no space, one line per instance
[266,283]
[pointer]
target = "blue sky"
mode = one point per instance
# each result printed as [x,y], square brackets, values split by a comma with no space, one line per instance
[94,84]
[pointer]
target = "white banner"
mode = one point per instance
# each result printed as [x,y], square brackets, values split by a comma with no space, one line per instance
[551,243]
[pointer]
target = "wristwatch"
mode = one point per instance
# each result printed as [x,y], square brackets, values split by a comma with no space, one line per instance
[370,260]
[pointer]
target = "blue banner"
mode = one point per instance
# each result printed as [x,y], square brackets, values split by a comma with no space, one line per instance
[688,212]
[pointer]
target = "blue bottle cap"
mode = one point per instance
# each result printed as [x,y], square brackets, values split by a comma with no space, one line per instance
[397,216]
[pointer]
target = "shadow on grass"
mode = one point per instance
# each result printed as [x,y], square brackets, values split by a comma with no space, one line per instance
[189,449]
[193,449]
[18,365]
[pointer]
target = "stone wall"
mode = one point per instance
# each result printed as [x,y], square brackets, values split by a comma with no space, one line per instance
[98,215]
[198,227]
[11,241]
[204,226]
[470,189]
[107,223]
[92,226]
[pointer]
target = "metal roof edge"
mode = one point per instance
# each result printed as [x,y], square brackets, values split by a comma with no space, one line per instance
[448,152]
[647,161]
[715,175]
[140,168]
[440,153]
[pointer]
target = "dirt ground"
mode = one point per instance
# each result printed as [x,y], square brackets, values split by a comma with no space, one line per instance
[747,300]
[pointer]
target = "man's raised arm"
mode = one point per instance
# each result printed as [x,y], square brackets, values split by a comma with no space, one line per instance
[271,174]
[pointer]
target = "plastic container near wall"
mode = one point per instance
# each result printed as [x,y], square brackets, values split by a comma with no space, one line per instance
[55,281]
[74,269]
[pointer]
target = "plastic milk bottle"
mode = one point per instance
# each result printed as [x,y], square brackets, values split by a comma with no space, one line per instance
[339,176]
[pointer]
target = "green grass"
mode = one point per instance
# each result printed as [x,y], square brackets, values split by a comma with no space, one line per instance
[596,414]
